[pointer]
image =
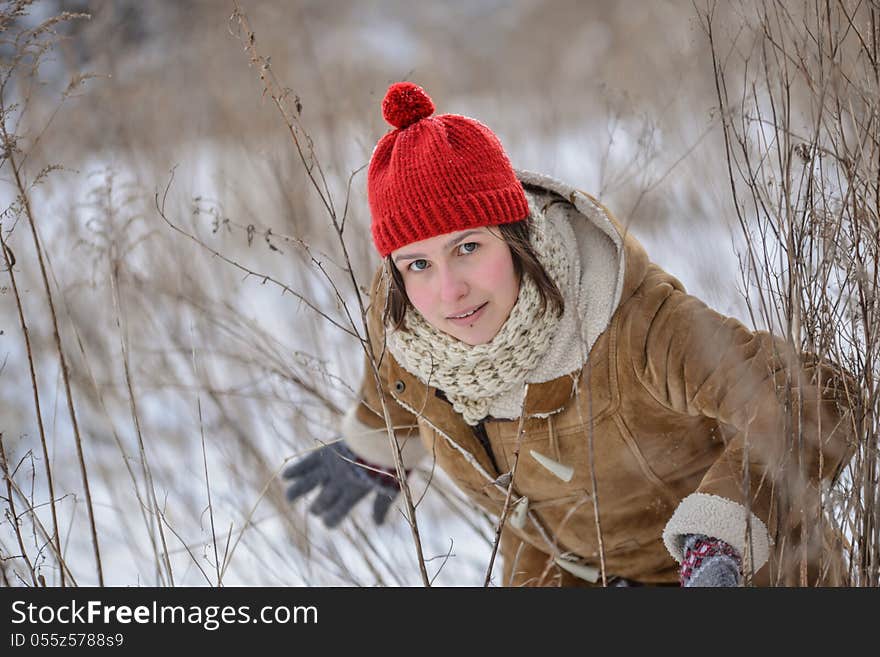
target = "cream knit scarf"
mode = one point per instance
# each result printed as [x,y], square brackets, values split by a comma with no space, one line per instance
[472,377]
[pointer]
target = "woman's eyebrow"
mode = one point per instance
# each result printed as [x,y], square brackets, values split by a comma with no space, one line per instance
[448,245]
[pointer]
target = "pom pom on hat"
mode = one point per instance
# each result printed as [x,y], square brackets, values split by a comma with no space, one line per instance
[405,103]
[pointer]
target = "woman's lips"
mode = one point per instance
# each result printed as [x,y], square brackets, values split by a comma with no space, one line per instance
[470,319]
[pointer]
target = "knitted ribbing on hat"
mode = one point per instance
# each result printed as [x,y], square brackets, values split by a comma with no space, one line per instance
[471,376]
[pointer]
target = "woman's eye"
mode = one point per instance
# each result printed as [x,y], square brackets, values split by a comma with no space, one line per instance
[469,247]
[418,265]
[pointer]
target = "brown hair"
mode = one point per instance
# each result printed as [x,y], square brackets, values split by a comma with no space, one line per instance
[525,260]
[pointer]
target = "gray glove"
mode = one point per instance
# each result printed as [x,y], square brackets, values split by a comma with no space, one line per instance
[343,483]
[709,561]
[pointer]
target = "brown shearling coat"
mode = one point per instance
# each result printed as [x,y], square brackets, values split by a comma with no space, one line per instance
[678,413]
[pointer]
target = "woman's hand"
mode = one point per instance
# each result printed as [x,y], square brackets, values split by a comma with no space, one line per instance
[344,479]
[709,561]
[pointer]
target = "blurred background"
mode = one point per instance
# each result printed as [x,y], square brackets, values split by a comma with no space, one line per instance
[193,382]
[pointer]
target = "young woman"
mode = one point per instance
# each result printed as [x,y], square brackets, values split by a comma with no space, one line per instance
[652,428]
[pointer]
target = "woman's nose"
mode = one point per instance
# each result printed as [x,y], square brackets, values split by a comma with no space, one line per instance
[452,285]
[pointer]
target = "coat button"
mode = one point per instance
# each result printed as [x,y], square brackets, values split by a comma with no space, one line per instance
[399,386]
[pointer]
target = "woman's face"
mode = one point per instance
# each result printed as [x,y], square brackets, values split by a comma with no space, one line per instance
[462,283]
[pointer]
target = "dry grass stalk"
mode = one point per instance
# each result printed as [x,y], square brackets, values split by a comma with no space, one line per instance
[10,262]
[13,515]
[508,494]
[798,89]
[19,75]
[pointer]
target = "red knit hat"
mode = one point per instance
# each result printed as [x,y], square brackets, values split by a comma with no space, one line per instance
[436,175]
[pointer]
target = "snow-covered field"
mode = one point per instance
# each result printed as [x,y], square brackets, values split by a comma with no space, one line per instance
[194,381]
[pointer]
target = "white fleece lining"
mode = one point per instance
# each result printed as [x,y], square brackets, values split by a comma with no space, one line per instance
[590,209]
[712,515]
[372,444]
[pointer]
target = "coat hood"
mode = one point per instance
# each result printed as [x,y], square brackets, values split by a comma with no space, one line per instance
[596,229]
[607,264]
